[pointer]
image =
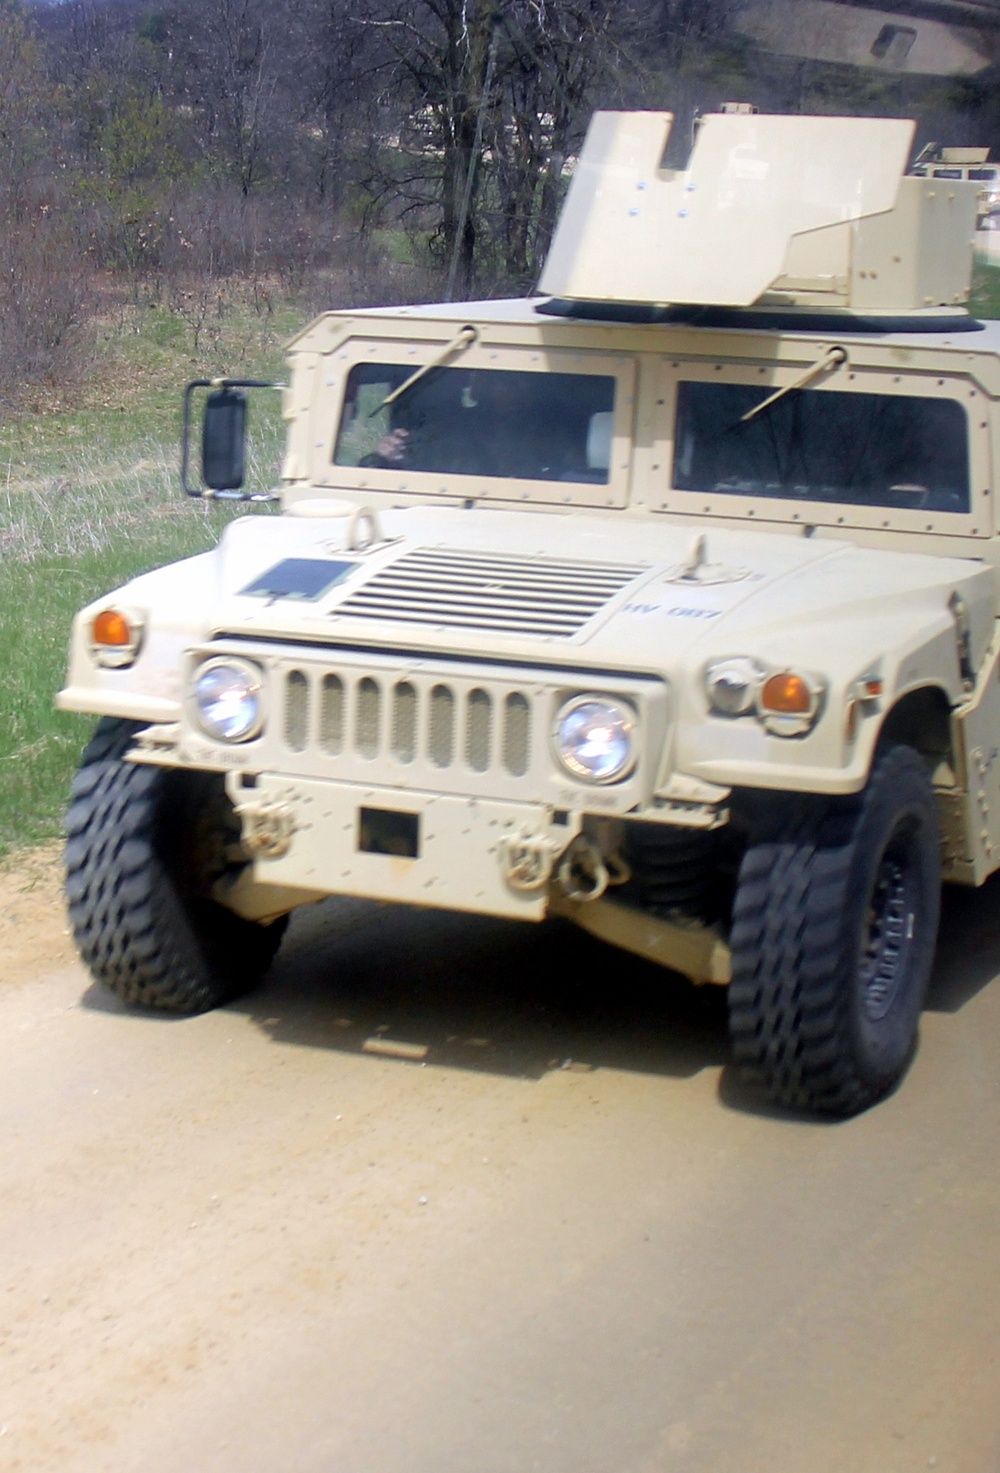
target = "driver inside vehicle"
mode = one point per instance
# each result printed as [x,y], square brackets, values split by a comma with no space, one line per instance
[492,430]
[390,450]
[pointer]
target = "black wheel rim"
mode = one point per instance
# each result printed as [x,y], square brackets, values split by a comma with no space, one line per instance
[891,923]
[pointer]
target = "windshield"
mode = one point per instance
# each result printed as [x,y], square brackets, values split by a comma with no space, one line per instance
[479,422]
[862,449]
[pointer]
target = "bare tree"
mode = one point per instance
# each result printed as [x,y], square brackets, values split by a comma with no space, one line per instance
[40,286]
[436,62]
[564,58]
[236,79]
[332,57]
[24,96]
[497,95]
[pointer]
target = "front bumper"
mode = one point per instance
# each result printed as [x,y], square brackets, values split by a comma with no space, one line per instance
[414,848]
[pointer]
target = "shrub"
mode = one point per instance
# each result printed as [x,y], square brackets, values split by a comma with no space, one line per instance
[42,308]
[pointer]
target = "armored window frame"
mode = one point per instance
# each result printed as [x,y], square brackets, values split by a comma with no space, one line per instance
[739,506]
[403,484]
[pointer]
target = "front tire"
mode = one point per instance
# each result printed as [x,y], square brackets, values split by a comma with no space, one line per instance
[834,929]
[144,847]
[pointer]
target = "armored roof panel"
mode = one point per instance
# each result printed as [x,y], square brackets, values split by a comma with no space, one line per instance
[523,312]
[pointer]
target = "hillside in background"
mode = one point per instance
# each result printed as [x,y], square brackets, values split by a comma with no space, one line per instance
[178,153]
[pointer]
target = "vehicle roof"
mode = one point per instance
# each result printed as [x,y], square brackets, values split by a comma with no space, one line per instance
[523,311]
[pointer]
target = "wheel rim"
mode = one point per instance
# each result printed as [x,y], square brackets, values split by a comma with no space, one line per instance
[890,924]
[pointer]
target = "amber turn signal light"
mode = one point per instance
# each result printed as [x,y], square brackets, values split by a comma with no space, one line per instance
[115,637]
[788,695]
[112,629]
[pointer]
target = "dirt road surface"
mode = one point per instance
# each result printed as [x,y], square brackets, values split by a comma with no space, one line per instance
[548,1233]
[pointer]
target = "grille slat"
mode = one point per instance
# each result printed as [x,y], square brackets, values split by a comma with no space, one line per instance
[571,610]
[576,592]
[459,558]
[447,577]
[516,734]
[405,720]
[331,715]
[367,718]
[441,735]
[297,711]
[551,596]
[479,730]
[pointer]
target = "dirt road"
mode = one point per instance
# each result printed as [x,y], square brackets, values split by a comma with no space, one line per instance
[553,1236]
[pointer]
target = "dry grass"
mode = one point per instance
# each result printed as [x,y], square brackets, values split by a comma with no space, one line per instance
[89,497]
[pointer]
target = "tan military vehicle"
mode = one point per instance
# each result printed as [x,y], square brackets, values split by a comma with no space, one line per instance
[664,601]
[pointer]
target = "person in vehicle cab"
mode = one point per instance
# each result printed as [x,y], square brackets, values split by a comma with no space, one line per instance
[495,423]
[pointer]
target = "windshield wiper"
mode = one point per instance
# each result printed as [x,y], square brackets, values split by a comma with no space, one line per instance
[462,340]
[832,359]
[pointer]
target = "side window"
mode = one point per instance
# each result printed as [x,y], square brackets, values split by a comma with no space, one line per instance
[364,422]
[823,445]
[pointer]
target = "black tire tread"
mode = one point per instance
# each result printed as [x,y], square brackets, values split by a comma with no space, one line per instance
[136,930]
[789,1017]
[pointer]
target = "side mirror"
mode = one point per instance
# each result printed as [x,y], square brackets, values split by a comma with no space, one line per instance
[223,439]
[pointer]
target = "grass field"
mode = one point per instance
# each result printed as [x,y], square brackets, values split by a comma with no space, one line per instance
[89,497]
[986,291]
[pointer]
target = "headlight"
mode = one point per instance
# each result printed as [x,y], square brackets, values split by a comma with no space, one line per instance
[594,738]
[731,685]
[228,699]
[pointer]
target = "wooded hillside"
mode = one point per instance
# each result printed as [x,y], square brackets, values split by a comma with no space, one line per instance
[373,149]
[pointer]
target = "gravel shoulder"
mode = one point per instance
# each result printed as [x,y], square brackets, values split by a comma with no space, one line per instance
[34,928]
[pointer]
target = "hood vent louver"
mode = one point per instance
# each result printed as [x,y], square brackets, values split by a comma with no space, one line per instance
[503,593]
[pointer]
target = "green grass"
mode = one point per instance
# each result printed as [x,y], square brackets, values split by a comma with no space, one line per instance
[39,746]
[90,497]
[985,300]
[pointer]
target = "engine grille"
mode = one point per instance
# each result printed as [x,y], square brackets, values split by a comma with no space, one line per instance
[407,721]
[552,597]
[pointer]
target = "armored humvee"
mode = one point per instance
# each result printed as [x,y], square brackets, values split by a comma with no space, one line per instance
[664,601]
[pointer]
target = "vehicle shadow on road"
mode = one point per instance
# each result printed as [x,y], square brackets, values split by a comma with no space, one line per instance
[514,999]
[520,1000]
[467,992]
[968,956]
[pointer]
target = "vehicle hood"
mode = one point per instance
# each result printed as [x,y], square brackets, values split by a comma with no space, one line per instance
[595,591]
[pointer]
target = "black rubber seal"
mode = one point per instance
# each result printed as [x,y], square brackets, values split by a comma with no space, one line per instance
[775,320]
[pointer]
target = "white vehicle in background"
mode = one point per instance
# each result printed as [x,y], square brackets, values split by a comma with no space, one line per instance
[970,165]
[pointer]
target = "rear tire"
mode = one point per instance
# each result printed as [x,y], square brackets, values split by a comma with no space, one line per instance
[834,929]
[145,845]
